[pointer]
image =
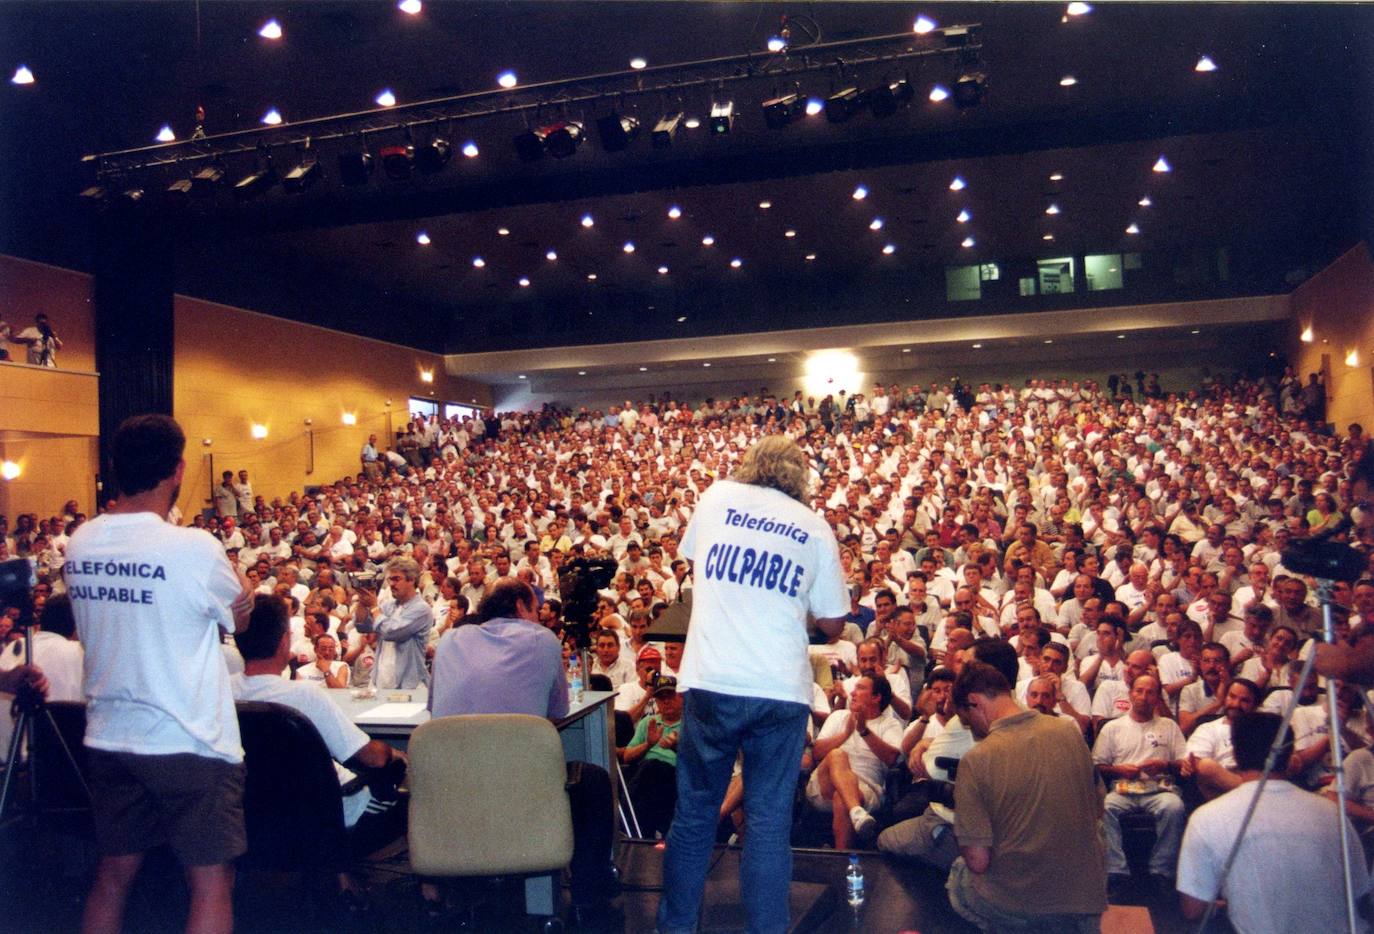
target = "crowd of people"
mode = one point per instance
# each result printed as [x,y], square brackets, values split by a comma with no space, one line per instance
[1109,559]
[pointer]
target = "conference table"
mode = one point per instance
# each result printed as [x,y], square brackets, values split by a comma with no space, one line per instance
[587,734]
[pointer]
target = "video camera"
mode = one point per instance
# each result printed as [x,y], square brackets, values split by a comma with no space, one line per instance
[579,584]
[17,580]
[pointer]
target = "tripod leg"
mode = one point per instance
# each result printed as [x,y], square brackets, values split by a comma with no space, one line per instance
[67,753]
[21,726]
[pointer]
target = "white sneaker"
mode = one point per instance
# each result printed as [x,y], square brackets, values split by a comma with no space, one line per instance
[863,821]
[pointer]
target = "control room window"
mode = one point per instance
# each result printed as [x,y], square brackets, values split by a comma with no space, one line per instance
[1056,275]
[1103,272]
[457,410]
[963,284]
[425,407]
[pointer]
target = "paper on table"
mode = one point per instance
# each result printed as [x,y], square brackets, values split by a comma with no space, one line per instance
[390,712]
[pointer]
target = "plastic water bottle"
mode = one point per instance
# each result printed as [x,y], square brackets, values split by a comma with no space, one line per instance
[854,882]
[574,679]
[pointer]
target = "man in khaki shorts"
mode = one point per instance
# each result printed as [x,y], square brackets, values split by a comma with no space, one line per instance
[166,765]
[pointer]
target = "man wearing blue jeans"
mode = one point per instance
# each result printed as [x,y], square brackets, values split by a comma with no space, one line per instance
[762,562]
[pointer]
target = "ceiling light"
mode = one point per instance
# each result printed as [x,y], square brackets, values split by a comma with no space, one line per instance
[270,30]
[1307,336]
[628,247]
[810,257]
[736,263]
[1048,236]
[776,43]
[663,271]
[1052,209]
[977,346]
[386,98]
[1121,337]
[551,256]
[166,135]
[675,212]
[708,240]
[1067,81]
[1195,331]
[722,117]
[413,7]
[1145,202]
[303,174]
[350,418]
[1049,340]
[814,105]
[889,249]
[938,93]
[1057,177]
[964,216]
[924,24]
[664,129]
[966,243]
[875,224]
[843,104]
[581,372]
[591,277]
[1352,358]
[470,149]
[860,193]
[478,262]
[888,97]
[765,205]
[708,363]
[1133,229]
[355,167]
[638,63]
[779,111]
[968,90]
[958,184]
[789,234]
[522,376]
[617,131]
[681,319]
[587,220]
[1205,63]
[772,359]
[1162,165]
[22,75]
[259,431]
[272,117]
[524,282]
[506,79]
[503,231]
[906,350]
[644,369]
[1079,9]
[397,161]
[692,123]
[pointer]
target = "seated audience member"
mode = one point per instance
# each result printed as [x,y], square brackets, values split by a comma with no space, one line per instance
[265,649]
[1250,641]
[870,664]
[635,697]
[606,659]
[1179,669]
[1108,662]
[654,749]
[1209,746]
[1206,695]
[327,670]
[853,752]
[55,651]
[1113,698]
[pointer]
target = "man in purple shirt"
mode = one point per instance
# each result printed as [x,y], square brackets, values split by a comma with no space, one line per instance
[509,663]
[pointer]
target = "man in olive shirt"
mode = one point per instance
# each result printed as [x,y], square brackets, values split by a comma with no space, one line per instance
[1026,815]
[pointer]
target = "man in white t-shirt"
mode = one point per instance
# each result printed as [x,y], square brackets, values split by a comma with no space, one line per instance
[325,669]
[762,562]
[853,751]
[1210,744]
[151,599]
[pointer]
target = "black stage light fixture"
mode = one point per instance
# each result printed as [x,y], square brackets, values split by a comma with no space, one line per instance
[886,98]
[957,37]
[968,90]
[355,167]
[529,146]
[397,161]
[131,196]
[256,182]
[433,156]
[665,129]
[94,196]
[206,180]
[562,139]
[302,175]
[843,104]
[722,117]
[178,193]
[779,111]
[617,131]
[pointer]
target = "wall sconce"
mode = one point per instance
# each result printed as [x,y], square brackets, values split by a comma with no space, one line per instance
[259,431]
[350,418]
[10,470]
[426,376]
[1307,337]
[1353,358]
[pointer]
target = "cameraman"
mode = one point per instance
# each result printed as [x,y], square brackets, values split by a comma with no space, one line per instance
[42,341]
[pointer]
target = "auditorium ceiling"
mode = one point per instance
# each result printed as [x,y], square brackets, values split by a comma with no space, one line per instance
[1268,158]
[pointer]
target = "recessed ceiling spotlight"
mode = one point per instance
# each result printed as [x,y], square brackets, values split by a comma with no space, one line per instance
[681,318]
[736,263]
[923,25]
[272,30]
[587,220]
[810,257]
[1079,9]
[1145,202]
[1133,229]
[1121,337]
[551,256]
[1195,331]
[637,63]
[692,123]
[1067,81]
[1162,165]
[708,363]
[772,359]
[708,240]
[876,224]
[629,247]
[860,193]
[789,234]
[964,216]
[166,135]
[675,212]
[765,205]
[977,346]
[412,7]
[503,231]
[889,249]
[814,105]
[967,243]
[507,79]
[422,238]
[1057,177]
[272,117]
[22,75]
[1052,209]
[524,282]
[1205,64]
[470,149]
[938,93]
[663,270]
[1048,236]
[522,376]
[906,350]
[1049,340]
[478,262]
[644,369]
[591,277]
[958,184]
[581,372]
[385,98]
[776,43]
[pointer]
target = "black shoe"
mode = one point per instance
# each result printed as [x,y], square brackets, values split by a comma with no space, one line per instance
[1117,884]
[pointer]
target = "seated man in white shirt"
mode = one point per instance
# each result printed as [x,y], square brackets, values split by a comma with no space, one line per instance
[1209,746]
[606,659]
[327,670]
[854,750]
[1070,696]
[634,697]
[871,655]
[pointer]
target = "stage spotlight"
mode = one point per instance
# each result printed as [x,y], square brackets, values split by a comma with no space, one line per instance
[968,90]
[94,196]
[886,98]
[780,111]
[617,131]
[205,181]
[397,161]
[842,105]
[131,196]
[178,193]
[722,117]
[529,146]
[256,182]
[302,175]
[665,129]
[433,156]
[355,168]
[562,139]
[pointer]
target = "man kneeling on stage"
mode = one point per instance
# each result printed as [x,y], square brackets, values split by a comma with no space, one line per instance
[855,748]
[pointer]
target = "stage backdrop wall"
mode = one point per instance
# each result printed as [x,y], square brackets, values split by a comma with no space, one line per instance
[1338,304]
